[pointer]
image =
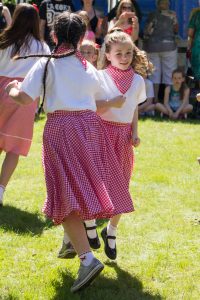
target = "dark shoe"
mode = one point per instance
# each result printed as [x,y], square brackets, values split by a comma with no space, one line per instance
[86,275]
[67,251]
[110,252]
[94,243]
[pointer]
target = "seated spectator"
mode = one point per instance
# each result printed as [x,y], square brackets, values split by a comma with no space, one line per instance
[5,17]
[48,10]
[90,51]
[126,19]
[159,42]
[113,11]
[176,97]
[89,34]
[194,43]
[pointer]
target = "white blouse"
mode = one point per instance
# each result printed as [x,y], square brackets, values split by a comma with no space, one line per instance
[68,85]
[135,95]
[19,68]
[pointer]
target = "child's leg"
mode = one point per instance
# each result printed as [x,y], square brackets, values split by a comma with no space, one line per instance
[8,167]
[90,267]
[109,237]
[161,108]
[92,235]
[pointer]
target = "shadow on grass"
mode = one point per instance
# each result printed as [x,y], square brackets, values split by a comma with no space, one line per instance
[165,119]
[124,286]
[19,221]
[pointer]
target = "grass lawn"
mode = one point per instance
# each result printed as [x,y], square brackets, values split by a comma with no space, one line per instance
[158,244]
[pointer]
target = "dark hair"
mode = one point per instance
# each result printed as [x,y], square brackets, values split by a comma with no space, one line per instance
[24,26]
[183,85]
[69,28]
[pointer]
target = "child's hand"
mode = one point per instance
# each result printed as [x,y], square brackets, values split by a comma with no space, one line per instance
[135,141]
[198,97]
[117,102]
[12,84]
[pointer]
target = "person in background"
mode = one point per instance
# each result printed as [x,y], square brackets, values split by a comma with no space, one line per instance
[90,51]
[22,37]
[194,43]
[159,42]
[113,11]
[89,34]
[48,10]
[126,19]
[98,19]
[176,97]
[145,70]
[5,17]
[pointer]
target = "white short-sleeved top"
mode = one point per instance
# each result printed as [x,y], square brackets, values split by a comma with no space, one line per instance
[149,88]
[69,86]
[19,68]
[135,95]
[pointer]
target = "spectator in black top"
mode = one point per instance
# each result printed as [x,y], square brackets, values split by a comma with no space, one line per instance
[113,11]
[5,17]
[48,10]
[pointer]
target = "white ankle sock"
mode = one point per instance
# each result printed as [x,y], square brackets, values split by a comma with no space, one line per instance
[86,258]
[2,190]
[111,230]
[91,233]
[66,239]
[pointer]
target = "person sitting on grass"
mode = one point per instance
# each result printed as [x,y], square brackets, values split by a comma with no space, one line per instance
[176,97]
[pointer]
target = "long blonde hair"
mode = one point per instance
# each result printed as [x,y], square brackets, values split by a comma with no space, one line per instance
[119,9]
[140,62]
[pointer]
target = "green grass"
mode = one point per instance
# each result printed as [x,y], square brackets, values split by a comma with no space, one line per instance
[158,244]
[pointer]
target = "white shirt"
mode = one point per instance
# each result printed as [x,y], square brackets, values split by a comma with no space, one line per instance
[135,95]
[149,88]
[19,68]
[68,85]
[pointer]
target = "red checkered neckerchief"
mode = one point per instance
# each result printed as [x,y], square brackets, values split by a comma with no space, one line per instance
[122,78]
[63,49]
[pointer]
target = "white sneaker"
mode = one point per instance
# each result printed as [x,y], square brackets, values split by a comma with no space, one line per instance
[86,275]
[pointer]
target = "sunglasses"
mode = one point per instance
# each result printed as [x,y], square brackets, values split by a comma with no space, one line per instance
[126,8]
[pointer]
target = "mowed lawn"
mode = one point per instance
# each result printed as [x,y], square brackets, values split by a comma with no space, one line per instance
[158,245]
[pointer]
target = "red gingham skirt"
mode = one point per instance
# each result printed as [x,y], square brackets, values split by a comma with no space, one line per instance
[16,122]
[120,136]
[81,169]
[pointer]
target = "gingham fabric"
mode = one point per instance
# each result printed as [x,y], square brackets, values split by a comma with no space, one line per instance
[120,135]
[64,49]
[81,169]
[122,78]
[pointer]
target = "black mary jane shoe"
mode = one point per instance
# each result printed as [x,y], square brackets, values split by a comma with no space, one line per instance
[95,242]
[110,252]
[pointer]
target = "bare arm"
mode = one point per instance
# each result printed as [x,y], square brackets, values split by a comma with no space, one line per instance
[114,102]
[135,138]
[13,90]
[42,28]
[190,37]
[135,31]
[7,15]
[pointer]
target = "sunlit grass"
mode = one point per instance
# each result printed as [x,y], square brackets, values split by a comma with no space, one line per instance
[158,244]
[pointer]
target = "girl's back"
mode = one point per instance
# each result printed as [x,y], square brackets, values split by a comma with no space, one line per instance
[19,68]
